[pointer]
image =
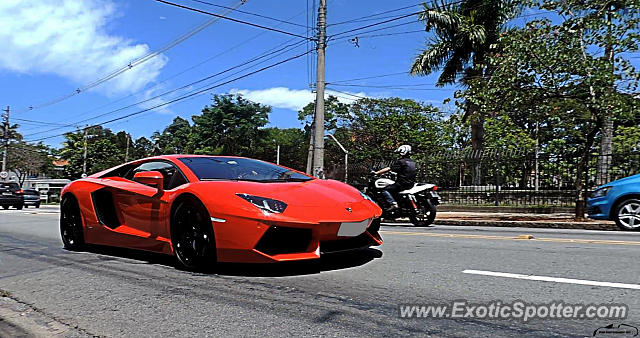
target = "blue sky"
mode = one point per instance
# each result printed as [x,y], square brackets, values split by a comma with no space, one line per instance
[58,47]
[53,47]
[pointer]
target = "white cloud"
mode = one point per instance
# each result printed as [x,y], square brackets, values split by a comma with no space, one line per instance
[69,38]
[287,98]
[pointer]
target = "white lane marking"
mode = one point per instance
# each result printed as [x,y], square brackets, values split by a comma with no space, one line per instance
[553,279]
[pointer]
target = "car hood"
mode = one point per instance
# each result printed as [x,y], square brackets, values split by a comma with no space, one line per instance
[312,193]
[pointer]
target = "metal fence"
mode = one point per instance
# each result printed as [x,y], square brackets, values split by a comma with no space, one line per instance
[508,178]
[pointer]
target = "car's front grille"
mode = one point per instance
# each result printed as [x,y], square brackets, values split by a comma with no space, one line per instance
[593,210]
[284,240]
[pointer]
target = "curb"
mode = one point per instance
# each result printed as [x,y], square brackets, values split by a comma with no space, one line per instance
[531,224]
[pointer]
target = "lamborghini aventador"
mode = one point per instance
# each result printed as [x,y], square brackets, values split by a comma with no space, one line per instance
[206,209]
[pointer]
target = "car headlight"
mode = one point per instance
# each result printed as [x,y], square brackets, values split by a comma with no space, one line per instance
[365,196]
[267,205]
[600,192]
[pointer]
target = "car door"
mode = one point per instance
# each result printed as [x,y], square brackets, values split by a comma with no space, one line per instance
[143,211]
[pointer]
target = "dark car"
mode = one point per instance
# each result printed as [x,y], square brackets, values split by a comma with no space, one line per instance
[31,198]
[11,195]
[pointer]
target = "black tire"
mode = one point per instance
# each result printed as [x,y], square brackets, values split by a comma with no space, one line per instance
[71,229]
[5,207]
[192,235]
[38,206]
[426,214]
[19,206]
[627,215]
[26,206]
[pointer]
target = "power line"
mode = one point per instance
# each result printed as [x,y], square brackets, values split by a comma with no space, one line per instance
[232,19]
[369,77]
[264,55]
[179,73]
[252,14]
[34,122]
[390,87]
[378,29]
[370,17]
[373,24]
[132,64]
[184,97]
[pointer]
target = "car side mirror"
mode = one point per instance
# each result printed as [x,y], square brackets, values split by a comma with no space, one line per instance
[151,178]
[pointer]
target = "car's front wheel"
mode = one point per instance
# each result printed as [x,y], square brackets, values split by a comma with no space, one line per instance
[19,206]
[192,235]
[71,224]
[627,215]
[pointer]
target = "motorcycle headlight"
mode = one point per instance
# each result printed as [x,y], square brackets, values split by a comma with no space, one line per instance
[600,192]
[267,205]
[365,196]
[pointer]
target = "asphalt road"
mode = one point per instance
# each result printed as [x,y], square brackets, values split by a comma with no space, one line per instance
[124,293]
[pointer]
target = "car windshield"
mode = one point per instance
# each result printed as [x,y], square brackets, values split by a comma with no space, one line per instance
[242,169]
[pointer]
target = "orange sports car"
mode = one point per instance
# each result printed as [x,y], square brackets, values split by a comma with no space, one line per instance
[204,209]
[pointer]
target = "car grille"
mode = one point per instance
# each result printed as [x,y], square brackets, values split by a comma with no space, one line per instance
[593,210]
[284,240]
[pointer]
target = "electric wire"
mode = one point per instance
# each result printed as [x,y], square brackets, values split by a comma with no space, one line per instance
[232,19]
[184,97]
[259,57]
[132,64]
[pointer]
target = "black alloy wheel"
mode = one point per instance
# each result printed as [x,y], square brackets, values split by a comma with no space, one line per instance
[71,224]
[192,235]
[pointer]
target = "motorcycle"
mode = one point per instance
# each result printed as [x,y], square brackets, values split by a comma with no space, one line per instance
[418,203]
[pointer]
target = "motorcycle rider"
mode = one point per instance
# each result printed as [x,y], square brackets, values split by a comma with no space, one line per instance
[405,168]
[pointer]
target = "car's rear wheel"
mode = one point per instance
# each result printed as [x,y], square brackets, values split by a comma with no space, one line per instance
[19,206]
[627,215]
[71,224]
[192,235]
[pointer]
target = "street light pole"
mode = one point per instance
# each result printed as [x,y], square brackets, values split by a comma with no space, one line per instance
[5,135]
[346,157]
[84,164]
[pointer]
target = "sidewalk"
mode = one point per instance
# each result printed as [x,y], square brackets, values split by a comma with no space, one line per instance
[557,220]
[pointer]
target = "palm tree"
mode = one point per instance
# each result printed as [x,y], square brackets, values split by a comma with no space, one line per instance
[465,34]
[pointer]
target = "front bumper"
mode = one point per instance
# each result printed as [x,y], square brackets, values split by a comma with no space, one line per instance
[599,208]
[260,241]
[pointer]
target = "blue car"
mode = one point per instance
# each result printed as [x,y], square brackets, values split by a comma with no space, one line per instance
[618,201]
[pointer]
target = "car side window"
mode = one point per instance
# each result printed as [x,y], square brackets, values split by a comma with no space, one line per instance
[172,177]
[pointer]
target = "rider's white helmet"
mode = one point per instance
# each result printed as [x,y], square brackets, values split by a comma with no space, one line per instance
[404,149]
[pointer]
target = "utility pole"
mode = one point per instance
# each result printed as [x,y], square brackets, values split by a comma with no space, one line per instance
[126,154]
[318,144]
[5,134]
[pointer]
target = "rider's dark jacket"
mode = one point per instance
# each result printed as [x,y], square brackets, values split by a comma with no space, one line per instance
[406,170]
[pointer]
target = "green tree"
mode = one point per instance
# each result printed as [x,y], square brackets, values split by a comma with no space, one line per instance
[102,152]
[548,76]
[293,147]
[174,139]
[230,126]
[466,33]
